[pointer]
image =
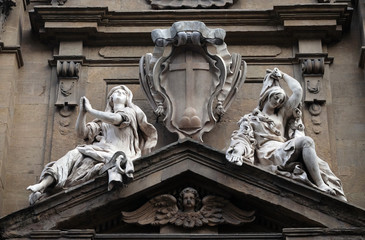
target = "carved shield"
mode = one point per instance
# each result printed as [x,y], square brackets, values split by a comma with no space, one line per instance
[191,87]
[190,80]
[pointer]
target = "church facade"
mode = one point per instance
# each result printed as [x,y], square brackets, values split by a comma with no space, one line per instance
[54,52]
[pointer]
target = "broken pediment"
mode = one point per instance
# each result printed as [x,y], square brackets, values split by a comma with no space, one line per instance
[281,206]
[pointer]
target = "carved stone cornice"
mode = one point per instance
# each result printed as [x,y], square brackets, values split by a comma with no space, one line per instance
[99,26]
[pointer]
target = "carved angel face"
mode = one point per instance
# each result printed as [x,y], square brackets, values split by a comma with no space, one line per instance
[189,202]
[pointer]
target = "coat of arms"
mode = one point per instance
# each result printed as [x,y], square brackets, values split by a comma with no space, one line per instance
[191,86]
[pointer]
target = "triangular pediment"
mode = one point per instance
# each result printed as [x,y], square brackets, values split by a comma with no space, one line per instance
[278,202]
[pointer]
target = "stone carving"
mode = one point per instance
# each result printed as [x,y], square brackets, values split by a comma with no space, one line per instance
[188,211]
[315,110]
[121,131]
[272,136]
[191,87]
[313,70]
[161,4]
[313,66]
[68,75]
[67,69]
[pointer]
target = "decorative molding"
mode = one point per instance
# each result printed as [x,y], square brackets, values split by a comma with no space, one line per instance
[15,50]
[67,69]
[277,25]
[314,93]
[313,66]
[68,75]
[163,4]
[62,234]
[313,70]
[315,110]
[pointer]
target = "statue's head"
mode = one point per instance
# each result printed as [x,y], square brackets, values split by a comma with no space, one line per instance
[122,90]
[189,200]
[274,96]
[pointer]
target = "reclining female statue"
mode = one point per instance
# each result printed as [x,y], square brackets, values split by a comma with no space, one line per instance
[121,128]
[272,136]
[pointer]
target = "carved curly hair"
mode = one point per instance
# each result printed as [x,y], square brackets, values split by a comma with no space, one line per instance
[196,196]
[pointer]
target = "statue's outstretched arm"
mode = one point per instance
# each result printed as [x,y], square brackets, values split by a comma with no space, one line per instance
[109,117]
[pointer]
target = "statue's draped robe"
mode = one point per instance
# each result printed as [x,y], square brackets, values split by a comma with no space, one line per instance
[273,152]
[134,136]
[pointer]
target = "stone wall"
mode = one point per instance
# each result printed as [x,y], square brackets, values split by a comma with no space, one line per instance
[347,112]
[34,131]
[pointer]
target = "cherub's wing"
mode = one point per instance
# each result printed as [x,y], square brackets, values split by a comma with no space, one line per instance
[157,211]
[217,210]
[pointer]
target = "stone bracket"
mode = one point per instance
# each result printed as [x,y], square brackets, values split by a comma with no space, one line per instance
[313,70]
[313,65]
[68,74]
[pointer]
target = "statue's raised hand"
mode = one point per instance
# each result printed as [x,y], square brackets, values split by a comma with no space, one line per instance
[276,74]
[86,104]
[82,105]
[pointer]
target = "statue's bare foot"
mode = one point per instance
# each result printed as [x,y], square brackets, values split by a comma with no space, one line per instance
[36,187]
[325,188]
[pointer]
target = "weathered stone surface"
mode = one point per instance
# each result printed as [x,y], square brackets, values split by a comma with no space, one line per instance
[116,33]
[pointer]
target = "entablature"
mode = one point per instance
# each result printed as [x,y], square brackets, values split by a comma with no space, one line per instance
[98,26]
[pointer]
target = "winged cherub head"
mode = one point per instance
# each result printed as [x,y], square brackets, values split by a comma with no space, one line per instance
[189,200]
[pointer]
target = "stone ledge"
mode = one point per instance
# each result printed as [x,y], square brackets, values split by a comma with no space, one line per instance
[13,50]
